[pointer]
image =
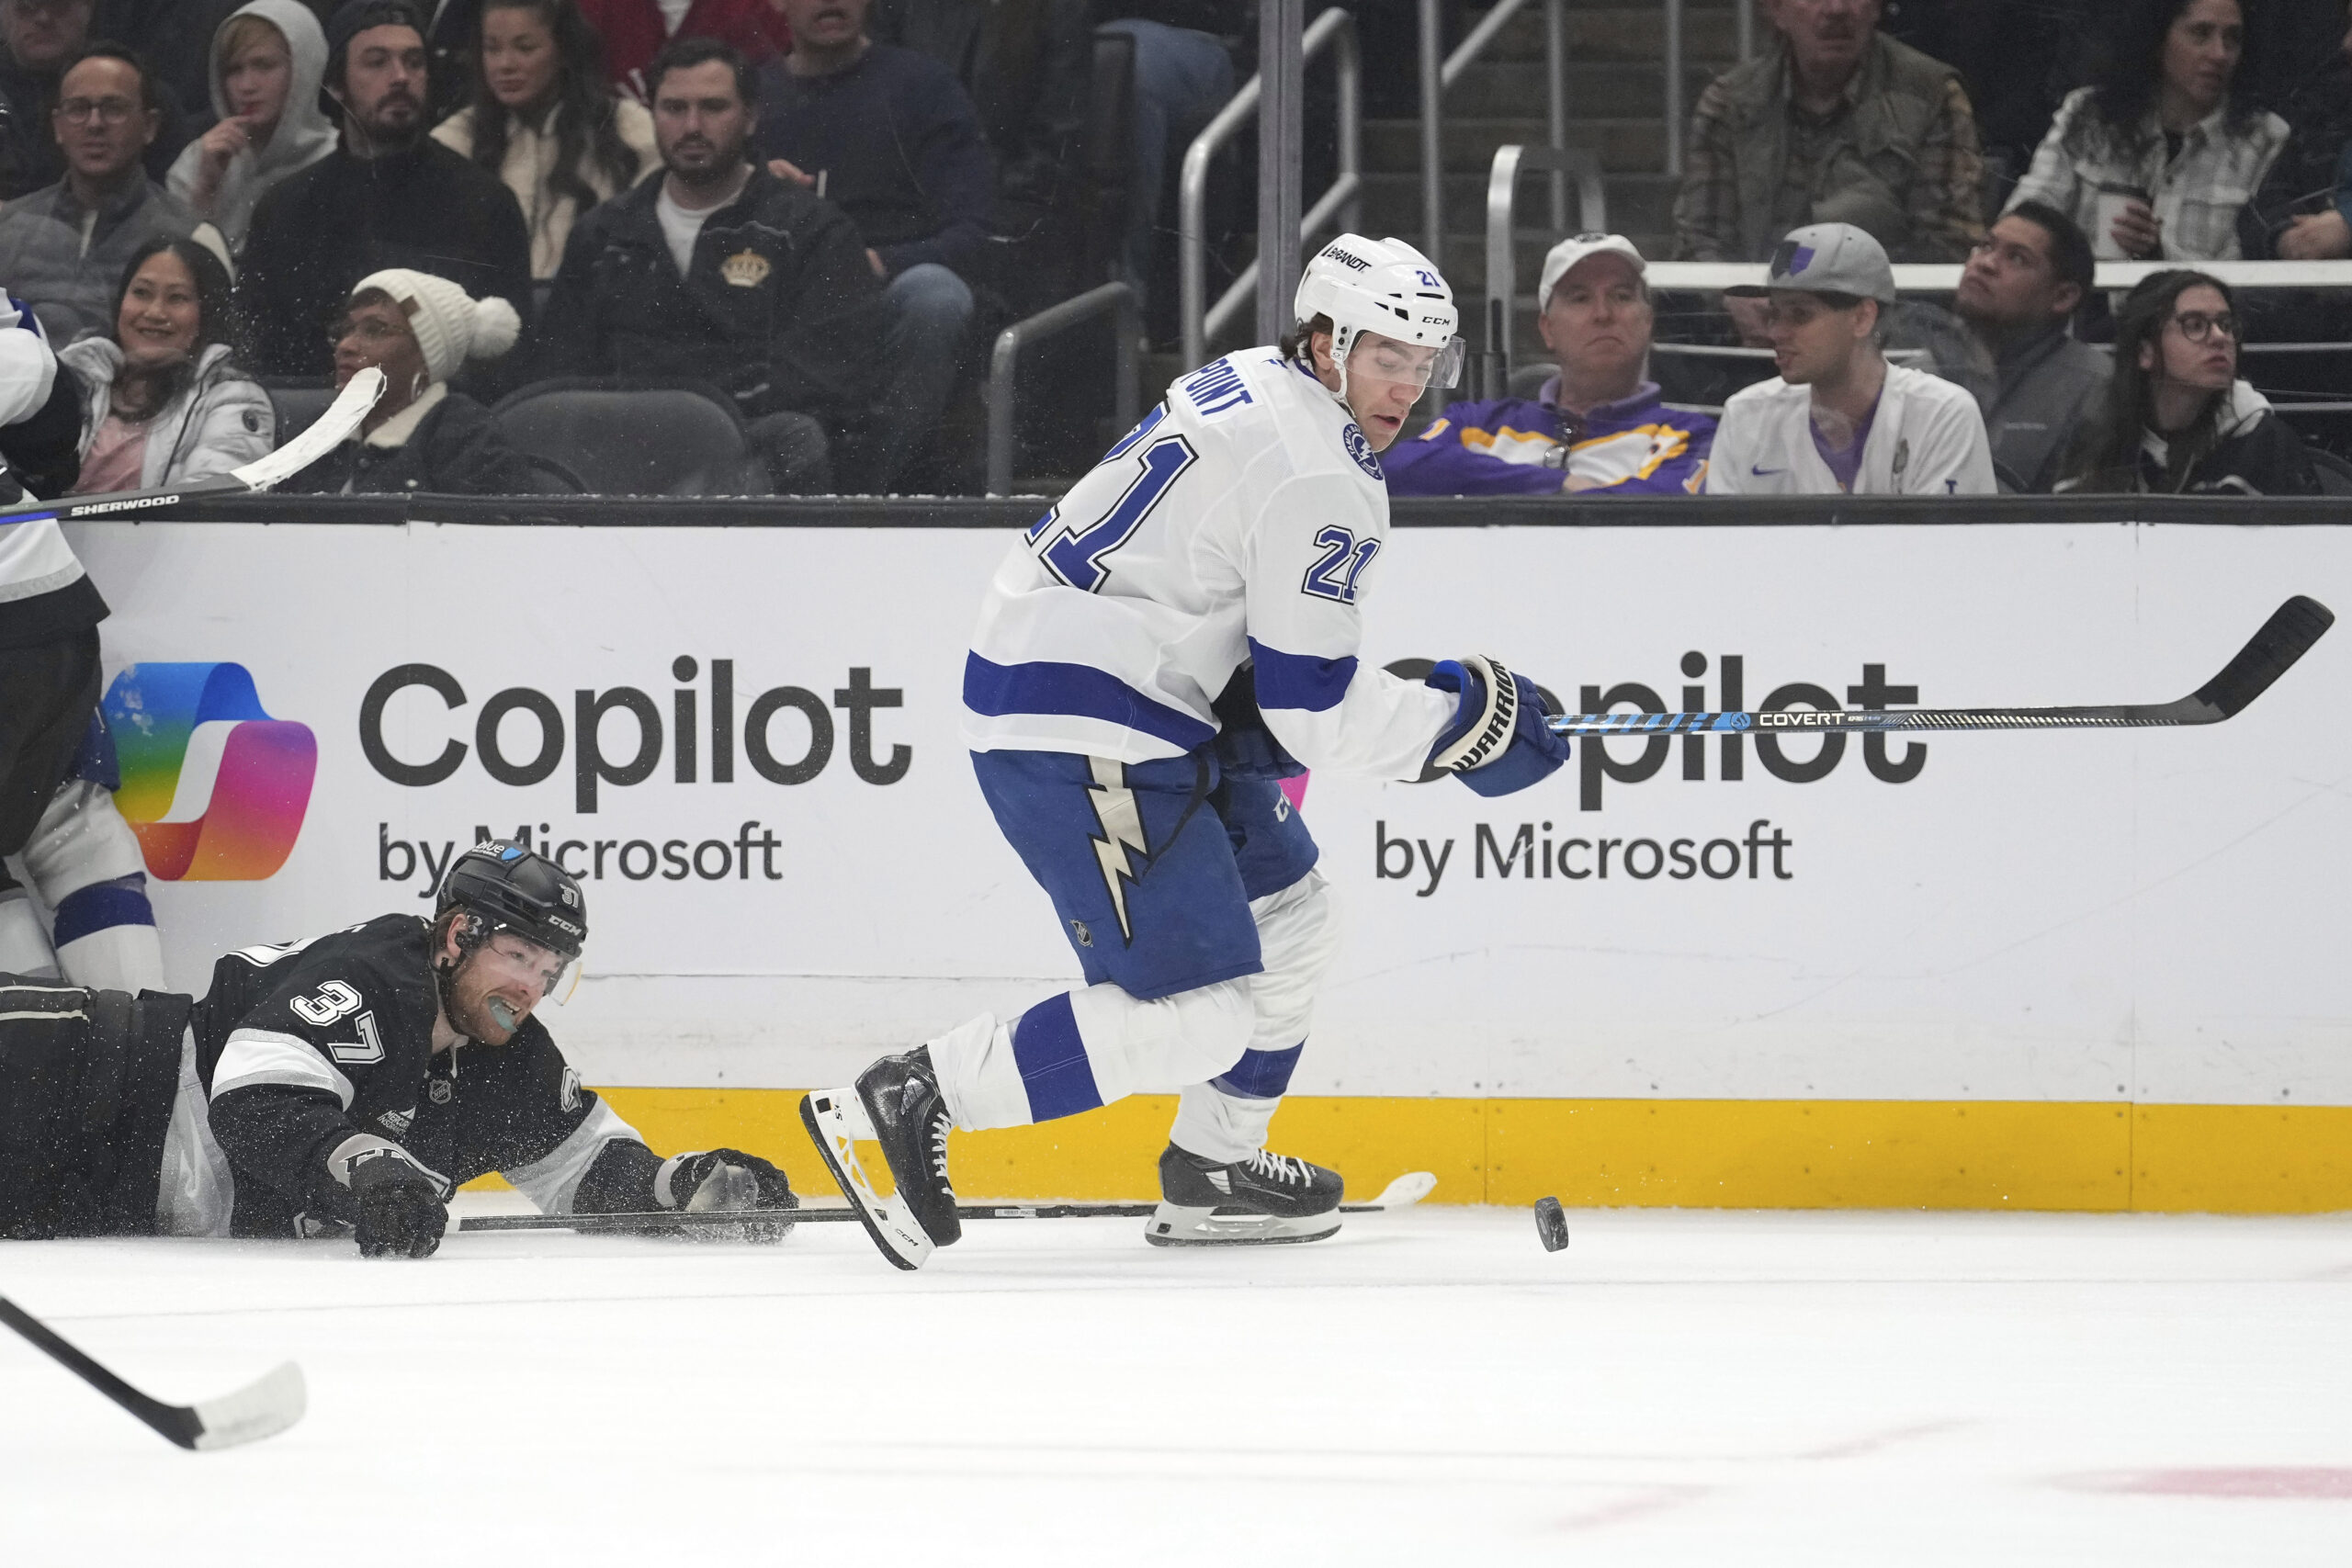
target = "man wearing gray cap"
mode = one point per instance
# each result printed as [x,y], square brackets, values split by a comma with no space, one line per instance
[1598,427]
[1839,419]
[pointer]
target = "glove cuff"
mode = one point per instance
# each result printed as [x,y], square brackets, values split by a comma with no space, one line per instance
[1489,730]
[664,1194]
[362,1149]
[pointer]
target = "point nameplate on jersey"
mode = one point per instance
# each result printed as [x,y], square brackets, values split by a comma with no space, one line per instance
[1360,449]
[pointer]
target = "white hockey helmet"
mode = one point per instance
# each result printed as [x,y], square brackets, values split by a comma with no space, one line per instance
[1385,287]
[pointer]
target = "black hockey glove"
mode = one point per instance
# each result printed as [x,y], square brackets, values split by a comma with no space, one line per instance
[401,1212]
[726,1179]
[723,1178]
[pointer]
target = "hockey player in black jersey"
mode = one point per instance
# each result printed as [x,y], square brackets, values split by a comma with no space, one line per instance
[342,1085]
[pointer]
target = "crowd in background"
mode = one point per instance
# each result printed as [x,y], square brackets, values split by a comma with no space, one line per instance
[814,212]
[770,202]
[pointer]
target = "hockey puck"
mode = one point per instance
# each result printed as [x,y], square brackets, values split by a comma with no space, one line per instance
[1551,1224]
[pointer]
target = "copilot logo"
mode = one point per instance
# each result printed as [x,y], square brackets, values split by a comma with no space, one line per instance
[213,786]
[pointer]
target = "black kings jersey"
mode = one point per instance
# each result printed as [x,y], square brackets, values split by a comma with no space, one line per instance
[305,1046]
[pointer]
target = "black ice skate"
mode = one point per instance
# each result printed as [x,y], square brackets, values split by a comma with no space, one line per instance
[897,1103]
[1264,1198]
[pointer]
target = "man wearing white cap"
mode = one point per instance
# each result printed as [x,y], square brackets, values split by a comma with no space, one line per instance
[1838,419]
[419,330]
[1596,427]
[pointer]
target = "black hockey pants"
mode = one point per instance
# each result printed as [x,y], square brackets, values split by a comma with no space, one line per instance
[86,1082]
[47,694]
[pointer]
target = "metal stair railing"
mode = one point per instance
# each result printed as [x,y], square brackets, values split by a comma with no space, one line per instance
[1438,75]
[1502,261]
[1334,31]
[1115,299]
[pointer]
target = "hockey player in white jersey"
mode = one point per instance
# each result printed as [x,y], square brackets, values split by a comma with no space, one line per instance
[59,829]
[1223,545]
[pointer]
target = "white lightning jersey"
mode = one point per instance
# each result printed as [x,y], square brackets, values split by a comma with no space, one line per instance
[1242,519]
[35,560]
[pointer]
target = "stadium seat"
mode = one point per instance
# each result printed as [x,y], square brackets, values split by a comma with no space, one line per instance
[620,436]
[298,404]
[2335,473]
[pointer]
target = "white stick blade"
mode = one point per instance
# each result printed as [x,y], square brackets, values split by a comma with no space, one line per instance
[326,432]
[259,1410]
[1406,1189]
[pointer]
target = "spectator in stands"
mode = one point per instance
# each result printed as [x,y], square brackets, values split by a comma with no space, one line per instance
[1026,66]
[722,272]
[1833,124]
[1597,428]
[387,196]
[267,61]
[63,248]
[1183,75]
[2159,157]
[2017,296]
[420,330]
[2316,167]
[543,119]
[163,399]
[2176,419]
[635,31]
[1839,419]
[39,39]
[888,135]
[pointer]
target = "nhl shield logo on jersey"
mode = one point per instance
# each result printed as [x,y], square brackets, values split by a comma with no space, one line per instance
[1360,449]
[745,269]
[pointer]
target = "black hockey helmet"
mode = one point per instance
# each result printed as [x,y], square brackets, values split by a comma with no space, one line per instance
[516,888]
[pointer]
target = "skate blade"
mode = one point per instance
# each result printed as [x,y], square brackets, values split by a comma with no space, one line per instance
[835,1120]
[1174,1225]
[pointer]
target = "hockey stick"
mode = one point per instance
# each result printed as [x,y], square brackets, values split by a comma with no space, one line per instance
[260,1409]
[1402,1193]
[2286,637]
[325,434]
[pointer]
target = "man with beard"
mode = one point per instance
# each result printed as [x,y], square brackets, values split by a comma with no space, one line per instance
[387,196]
[722,272]
[344,1085]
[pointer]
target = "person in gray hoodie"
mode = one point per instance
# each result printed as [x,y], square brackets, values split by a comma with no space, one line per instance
[163,400]
[267,59]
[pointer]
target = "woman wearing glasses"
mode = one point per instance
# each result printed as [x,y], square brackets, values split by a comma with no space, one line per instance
[420,331]
[2177,420]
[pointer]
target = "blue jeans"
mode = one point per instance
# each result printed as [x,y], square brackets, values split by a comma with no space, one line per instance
[930,309]
[1180,76]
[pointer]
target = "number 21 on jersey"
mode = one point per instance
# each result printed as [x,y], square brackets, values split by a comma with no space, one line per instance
[1074,548]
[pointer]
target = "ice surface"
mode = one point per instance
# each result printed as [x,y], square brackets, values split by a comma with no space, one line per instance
[1428,1388]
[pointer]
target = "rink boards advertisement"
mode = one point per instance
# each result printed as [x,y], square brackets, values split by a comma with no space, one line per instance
[744,740]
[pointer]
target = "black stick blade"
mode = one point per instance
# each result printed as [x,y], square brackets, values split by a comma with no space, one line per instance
[2286,637]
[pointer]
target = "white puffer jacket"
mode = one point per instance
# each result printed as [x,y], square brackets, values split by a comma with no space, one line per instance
[222,419]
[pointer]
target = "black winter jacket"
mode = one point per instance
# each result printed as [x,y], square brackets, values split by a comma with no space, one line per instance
[454,450]
[324,229]
[779,309]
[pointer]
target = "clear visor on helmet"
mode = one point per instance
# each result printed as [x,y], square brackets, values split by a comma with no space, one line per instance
[517,958]
[1390,359]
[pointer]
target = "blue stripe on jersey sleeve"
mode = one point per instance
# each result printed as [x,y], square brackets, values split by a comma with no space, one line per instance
[1300,680]
[1077,691]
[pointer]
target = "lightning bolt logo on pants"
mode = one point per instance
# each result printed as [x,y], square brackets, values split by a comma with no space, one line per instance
[1121,822]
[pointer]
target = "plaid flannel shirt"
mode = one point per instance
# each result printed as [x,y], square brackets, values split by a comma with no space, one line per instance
[2196,192]
[1944,203]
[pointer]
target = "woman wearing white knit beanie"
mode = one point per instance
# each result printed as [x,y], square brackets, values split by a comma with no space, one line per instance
[420,330]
